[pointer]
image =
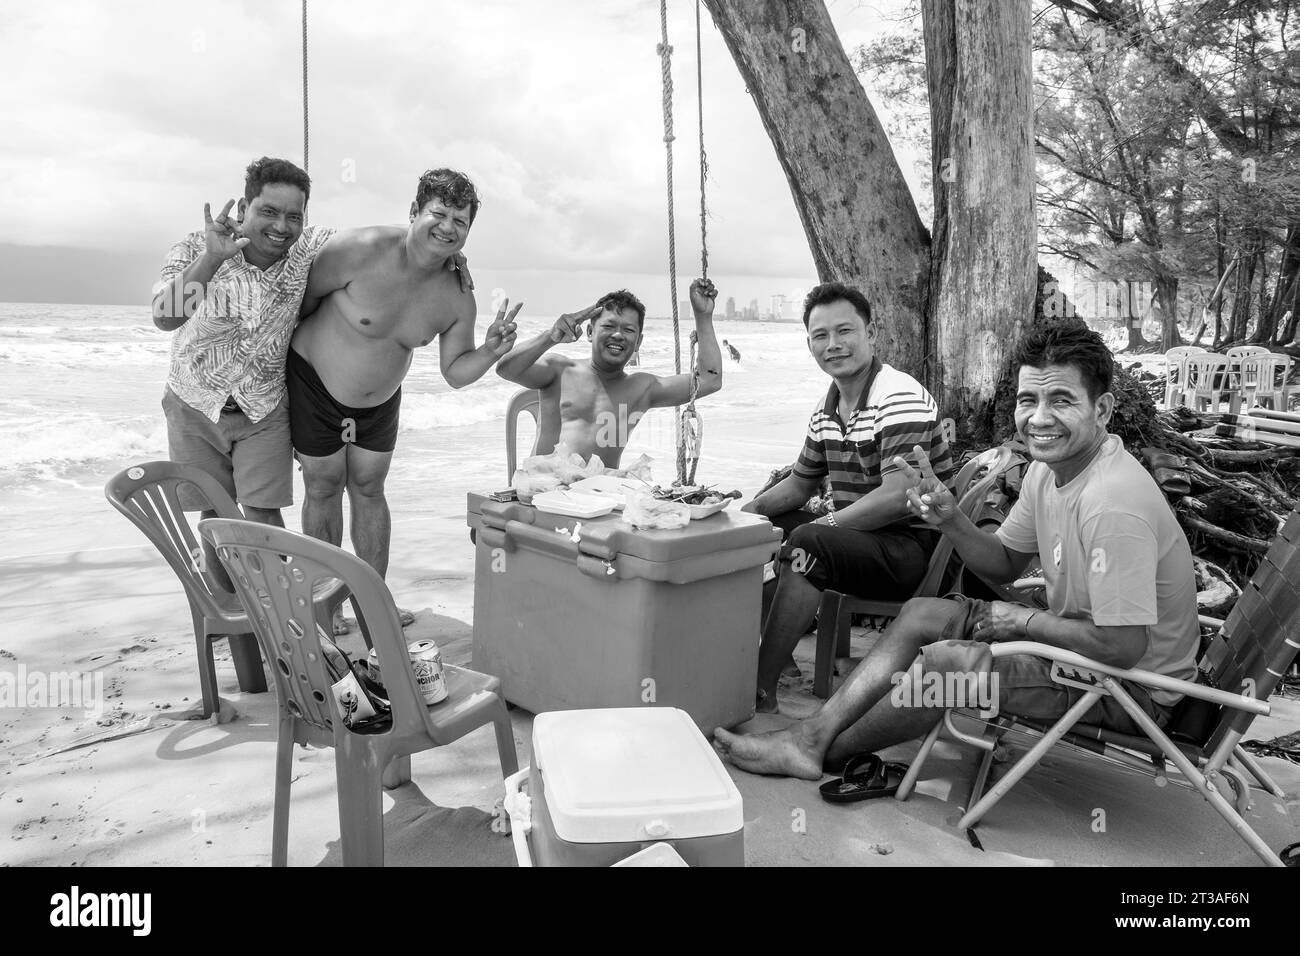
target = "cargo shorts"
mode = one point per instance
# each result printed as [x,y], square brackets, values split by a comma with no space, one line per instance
[253,461]
[1024,682]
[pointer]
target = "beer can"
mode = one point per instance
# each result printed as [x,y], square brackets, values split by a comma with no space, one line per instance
[426,661]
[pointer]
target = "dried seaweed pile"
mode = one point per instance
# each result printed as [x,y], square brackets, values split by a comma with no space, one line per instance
[1231,496]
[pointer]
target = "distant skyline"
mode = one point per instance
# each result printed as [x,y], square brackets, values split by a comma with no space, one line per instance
[145,111]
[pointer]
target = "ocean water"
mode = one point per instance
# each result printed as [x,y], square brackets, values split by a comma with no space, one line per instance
[82,386]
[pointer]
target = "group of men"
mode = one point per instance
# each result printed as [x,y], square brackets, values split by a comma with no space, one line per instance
[306,347]
[293,341]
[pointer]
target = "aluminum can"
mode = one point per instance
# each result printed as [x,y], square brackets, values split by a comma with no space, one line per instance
[426,661]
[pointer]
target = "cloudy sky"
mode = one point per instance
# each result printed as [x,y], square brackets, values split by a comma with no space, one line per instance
[132,115]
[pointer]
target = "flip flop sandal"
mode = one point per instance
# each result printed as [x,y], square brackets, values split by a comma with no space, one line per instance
[1290,854]
[866,777]
[1163,459]
[1172,481]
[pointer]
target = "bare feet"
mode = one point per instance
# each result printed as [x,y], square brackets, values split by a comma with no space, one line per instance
[406,617]
[781,753]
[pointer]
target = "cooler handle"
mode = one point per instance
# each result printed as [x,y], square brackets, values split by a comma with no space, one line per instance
[549,541]
[519,807]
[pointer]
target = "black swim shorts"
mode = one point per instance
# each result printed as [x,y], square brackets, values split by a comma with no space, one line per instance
[319,426]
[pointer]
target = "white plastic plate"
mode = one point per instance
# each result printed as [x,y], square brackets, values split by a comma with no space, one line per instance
[703,511]
[573,504]
[608,486]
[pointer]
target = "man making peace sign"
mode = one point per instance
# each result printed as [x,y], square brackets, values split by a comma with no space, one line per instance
[1120,584]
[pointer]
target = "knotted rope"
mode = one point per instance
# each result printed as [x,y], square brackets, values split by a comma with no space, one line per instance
[689,430]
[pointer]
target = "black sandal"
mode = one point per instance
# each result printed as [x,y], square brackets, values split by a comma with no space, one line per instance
[866,777]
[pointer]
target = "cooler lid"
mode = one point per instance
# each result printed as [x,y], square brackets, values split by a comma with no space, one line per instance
[726,531]
[629,774]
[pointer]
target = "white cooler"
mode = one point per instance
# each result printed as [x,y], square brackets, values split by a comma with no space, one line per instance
[607,784]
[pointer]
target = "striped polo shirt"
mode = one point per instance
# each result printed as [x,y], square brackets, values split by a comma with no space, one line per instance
[894,414]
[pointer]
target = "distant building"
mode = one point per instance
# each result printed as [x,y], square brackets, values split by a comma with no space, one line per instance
[780,308]
[731,307]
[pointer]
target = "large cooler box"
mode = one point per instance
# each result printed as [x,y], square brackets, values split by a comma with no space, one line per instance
[607,784]
[613,617]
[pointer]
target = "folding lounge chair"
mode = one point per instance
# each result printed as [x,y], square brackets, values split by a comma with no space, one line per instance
[1237,673]
[147,494]
[274,571]
[836,610]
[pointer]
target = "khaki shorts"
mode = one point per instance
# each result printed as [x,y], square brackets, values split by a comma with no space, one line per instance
[1024,682]
[252,460]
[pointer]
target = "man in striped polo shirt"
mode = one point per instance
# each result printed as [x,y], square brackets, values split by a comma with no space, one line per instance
[867,544]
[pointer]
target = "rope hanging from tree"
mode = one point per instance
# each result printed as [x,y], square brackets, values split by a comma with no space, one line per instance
[306,139]
[689,426]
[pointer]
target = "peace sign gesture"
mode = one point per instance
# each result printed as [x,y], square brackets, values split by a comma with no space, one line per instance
[501,333]
[568,327]
[221,235]
[928,498]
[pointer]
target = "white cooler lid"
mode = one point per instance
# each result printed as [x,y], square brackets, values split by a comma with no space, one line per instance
[628,774]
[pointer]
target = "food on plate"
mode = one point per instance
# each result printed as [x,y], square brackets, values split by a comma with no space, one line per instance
[693,494]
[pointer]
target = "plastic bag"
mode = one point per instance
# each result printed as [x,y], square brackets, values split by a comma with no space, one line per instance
[553,472]
[645,511]
[359,697]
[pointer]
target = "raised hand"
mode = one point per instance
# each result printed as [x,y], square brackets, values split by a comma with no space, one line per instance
[703,297]
[460,265]
[568,327]
[220,235]
[501,333]
[928,498]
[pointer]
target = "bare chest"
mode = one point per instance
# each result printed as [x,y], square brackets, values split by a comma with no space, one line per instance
[409,314]
[586,396]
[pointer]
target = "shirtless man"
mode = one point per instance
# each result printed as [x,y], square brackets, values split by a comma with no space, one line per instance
[592,406]
[374,296]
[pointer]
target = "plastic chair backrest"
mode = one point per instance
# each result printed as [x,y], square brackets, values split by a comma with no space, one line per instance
[1263,374]
[528,400]
[147,495]
[1206,374]
[1239,351]
[1251,652]
[1176,371]
[1179,352]
[274,572]
[970,496]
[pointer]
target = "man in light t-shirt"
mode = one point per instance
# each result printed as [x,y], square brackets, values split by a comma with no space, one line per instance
[1120,585]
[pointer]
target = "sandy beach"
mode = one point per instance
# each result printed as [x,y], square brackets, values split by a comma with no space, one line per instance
[141,784]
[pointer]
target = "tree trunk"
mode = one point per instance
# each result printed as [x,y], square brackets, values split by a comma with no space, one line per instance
[1167,295]
[984,252]
[859,216]
[1282,329]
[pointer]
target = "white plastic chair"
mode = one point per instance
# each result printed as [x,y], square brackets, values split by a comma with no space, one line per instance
[1205,380]
[1176,371]
[1235,356]
[1263,379]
